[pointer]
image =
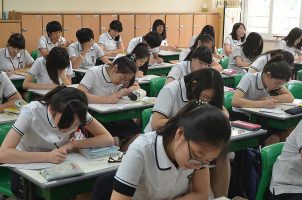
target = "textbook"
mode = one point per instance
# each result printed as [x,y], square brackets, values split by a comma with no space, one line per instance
[17,108]
[97,153]
[62,170]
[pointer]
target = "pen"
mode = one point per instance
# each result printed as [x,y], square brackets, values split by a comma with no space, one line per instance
[56,145]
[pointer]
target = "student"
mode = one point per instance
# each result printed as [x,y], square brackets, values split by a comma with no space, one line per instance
[50,71]
[236,37]
[160,27]
[52,39]
[111,41]
[201,57]
[85,52]
[243,55]
[286,175]
[174,162]
[152,40]
[292,43]
[202,40]
[259,63]
[142,56]
[14,56]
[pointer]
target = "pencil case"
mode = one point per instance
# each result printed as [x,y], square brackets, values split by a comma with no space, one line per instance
[294,111]
[245,125]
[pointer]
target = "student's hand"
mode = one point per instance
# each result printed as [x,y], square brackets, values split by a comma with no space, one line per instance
[159,60]
[57,155]
[270,103]
[112,98]
[135,86]
[68,146]
[263,98]
[9,73]
[139,74]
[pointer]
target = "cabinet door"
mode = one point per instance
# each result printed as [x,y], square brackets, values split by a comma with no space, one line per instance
[92,22]
[49,18]
[155,17]
[128,28]
[185,29]
[199,21]
[105,22]
[6,30]
[213,19]
[172,27]
[72,23]
[31,30]
[142,25]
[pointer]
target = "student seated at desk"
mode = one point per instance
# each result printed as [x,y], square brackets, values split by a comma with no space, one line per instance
[236,37]
[85,52]
[111,41]
[201,57]
[243,55]
[50,71]
[14,56]
[152,40]
[160,27]
[42,132]
[202,40]
[174,161]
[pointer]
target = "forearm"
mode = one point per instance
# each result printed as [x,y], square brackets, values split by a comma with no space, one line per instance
[40,86]
[15,156]
[284,98]
[96,99]
[105,59]
[157,123]
[77,61]
[244,103]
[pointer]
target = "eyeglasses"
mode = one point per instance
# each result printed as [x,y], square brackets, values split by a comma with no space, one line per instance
[197,164]
[116,157]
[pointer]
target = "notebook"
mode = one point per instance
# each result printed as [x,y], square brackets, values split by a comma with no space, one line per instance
[62,170]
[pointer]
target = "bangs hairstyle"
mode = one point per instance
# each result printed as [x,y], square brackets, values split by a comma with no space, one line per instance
[16,40]
[126,64]
[159,22]
[204,79]
[84,35]
[292,36]
[235,28]
[69,101]
[53,26]
[116,25]
[203,38]
[203,54]
[57,60]
[253,46]
[278,68]
[196,120]
[153,39]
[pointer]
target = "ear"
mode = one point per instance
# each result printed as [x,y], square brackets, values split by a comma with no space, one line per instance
[268,75]
[179,135]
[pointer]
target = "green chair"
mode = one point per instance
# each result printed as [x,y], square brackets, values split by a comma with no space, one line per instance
[34,54]
[237,79]
[228,96]
[156,84]
[5,172]
[146,114]
[224,62]
[299,75]
[295,88]
[269,155]
[220,51]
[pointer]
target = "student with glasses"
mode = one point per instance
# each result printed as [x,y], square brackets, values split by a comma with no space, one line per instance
[174,161]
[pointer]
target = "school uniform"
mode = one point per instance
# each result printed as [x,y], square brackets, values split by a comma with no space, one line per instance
[233,43]
[45,43]
[39,71]
[237,52]
[7,63]
[259,63]
[180,70]
[183,54]
[7,88]
[95,52]
[133,42]
[293,50]
[146,171]
[164,43]
[110,44]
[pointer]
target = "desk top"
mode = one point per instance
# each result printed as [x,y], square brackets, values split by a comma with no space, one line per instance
[168,53]
[6,118]
[161,65]
[145,79]
[14,77]
[241,134]
[44,92]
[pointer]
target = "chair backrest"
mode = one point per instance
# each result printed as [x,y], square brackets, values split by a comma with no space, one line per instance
[224,62]
[295,88]
[269,155]
[299,75]
[34,54]
[156,84]
[228,96]
[237,79]
[146,114]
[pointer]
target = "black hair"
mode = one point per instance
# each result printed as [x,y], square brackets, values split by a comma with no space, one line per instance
[70,102]
[16,40]
[57,60]
[208,29]
[203,38]
[203,79]
[159,22]
[253,46]
[125,64]
[197,121]
[141,51]
[235,28]
[287,56]
[116,25]
[203,54]
[292,36]
[278,68]
[153,39]
[84,35]
[53,26]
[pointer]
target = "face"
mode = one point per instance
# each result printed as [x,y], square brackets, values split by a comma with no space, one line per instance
[13,51]
[119,78]
[56,119]
[272,83]
[197,64]
[207,95]
[298,41]
[240,31]
[113,33]
[55,36]
[160,29]
[140,62]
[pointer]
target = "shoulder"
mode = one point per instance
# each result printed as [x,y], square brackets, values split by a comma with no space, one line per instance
[144,142]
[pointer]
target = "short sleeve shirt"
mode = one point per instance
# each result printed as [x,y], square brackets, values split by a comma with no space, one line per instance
[45,43]
[109,43]
[7,88]
[293,50]
[232,62]
[259,63]
[133,42]
[230,41]
[7,63]
[180,70]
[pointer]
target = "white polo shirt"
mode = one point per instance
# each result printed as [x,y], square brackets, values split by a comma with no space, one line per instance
[39,71]
[95,52]
[7,88]
[293,50]
[180,70]
[109,43]
[45,43]
[98,82]
[233,43]
[147,172]
[259,63]
[21,60]
[39,133]
[237,52]
[171,98]
[183,54]
[134,41]
[287,175]
[164,43]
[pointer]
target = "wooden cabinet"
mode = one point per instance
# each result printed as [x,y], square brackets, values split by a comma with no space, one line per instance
[72,23]
[128,28]
[142,25]
[49,18]
[199,21]
[92,22]
[213,19]
[185,30]
[155,17]
[105,22]
[31,30]
[7,28]
[172,27]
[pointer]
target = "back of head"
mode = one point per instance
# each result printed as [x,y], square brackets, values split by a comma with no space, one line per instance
[292,36]
[141,51]
[153,39]
[125,64]
[203,38]
[208,29]
[287,56]
[84,35]
[203,54]
[53,26]
[159,22]
[234,30]
[16,40]
[253,45]
[278,68]
[116,25]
